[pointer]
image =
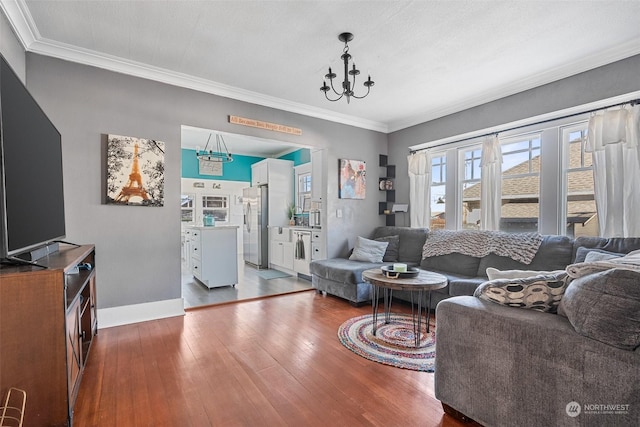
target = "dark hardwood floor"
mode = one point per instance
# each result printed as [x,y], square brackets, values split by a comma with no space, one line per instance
[250,286]
[270,362]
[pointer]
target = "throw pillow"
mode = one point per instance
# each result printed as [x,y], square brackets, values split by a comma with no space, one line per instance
[368,250]
[594,256]
[605,306]
[494,273]
[391,254]
[542,292]
[582,252]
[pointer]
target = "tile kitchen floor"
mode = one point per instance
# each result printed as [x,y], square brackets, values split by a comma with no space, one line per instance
[250,286]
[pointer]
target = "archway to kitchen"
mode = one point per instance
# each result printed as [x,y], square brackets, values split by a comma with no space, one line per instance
[214,213]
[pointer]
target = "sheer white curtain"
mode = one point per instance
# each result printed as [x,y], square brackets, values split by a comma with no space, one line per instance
[613,141]
[491,184]
[419,189]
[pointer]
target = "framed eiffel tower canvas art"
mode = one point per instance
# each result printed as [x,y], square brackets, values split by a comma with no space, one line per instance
[135,171]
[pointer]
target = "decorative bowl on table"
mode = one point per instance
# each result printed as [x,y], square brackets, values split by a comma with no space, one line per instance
[390,273]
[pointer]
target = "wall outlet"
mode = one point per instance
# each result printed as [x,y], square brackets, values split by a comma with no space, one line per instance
[339,213]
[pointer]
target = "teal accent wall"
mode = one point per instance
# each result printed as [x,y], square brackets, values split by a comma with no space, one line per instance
[238,170]
[299,157]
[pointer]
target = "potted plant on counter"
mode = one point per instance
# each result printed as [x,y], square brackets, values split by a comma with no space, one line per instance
[291,210]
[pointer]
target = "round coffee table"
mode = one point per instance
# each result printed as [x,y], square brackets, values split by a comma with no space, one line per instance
[425,281]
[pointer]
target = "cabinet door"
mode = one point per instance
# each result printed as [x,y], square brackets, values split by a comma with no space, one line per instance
[74,348]
[94,308]
[259,173]
[277,253]
[301,264]
[287,255]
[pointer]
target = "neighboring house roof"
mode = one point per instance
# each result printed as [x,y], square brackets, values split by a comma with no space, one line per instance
[519,194]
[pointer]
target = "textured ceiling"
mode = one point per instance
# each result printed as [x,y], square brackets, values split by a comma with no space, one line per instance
[428,58]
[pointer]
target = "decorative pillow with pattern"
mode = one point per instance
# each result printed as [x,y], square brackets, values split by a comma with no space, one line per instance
[542,292]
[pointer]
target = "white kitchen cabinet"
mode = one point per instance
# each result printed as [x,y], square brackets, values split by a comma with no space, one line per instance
[277,174]
[214,259]
[317,174]
[301,241]
[282,254]
[259,174]
[280,247]
[318,247]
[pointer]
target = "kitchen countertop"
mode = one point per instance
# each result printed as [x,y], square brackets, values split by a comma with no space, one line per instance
[212,227]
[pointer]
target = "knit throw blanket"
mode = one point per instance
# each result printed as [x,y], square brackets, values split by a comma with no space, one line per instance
[631,261]
[520,247]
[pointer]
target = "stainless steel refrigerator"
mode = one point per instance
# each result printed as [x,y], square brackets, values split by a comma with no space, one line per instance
[255,237]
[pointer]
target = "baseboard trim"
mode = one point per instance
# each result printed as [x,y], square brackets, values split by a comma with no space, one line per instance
[127,314]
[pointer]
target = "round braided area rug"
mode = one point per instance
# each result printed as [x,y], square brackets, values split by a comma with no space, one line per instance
[393,343]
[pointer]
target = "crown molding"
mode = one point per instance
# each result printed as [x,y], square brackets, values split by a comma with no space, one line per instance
[531,124]
[18,15]
[119,65]
[21,21]
[23,25]
[622,51]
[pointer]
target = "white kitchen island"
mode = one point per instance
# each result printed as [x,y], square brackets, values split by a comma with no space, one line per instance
[214,255]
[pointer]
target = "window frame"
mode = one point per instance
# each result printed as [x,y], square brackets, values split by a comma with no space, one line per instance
[551,173]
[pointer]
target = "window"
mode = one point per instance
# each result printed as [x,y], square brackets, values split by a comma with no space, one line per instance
[438,191]
[580,205]
[520,184]
[549,190]
[187,205]
[304,191]
[470,187]
[216,206]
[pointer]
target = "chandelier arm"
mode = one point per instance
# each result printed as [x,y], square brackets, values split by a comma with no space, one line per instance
[334,90]
[360,97]
[333,100]
[353,85]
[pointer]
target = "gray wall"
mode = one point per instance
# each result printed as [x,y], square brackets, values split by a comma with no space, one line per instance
[11,48]
[138,248]
[608,81]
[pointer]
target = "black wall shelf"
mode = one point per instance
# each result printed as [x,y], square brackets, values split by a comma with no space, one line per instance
[389,174]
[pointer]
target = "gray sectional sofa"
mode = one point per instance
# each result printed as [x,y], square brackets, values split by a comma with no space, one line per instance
[506,366]
[343,277]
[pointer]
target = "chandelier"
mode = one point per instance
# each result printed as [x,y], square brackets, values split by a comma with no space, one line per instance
[347,85]
[221,153]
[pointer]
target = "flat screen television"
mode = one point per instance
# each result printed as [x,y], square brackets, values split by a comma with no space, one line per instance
[31,186]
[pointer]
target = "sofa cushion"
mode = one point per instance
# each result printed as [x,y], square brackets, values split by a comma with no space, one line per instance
[605,306]
[594,254]
[411,241]
[368,250]
[341,270]
[622,245]
[391,253]
[554,253]
[464,286]
[494,273]
[464,265]
[541,293]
